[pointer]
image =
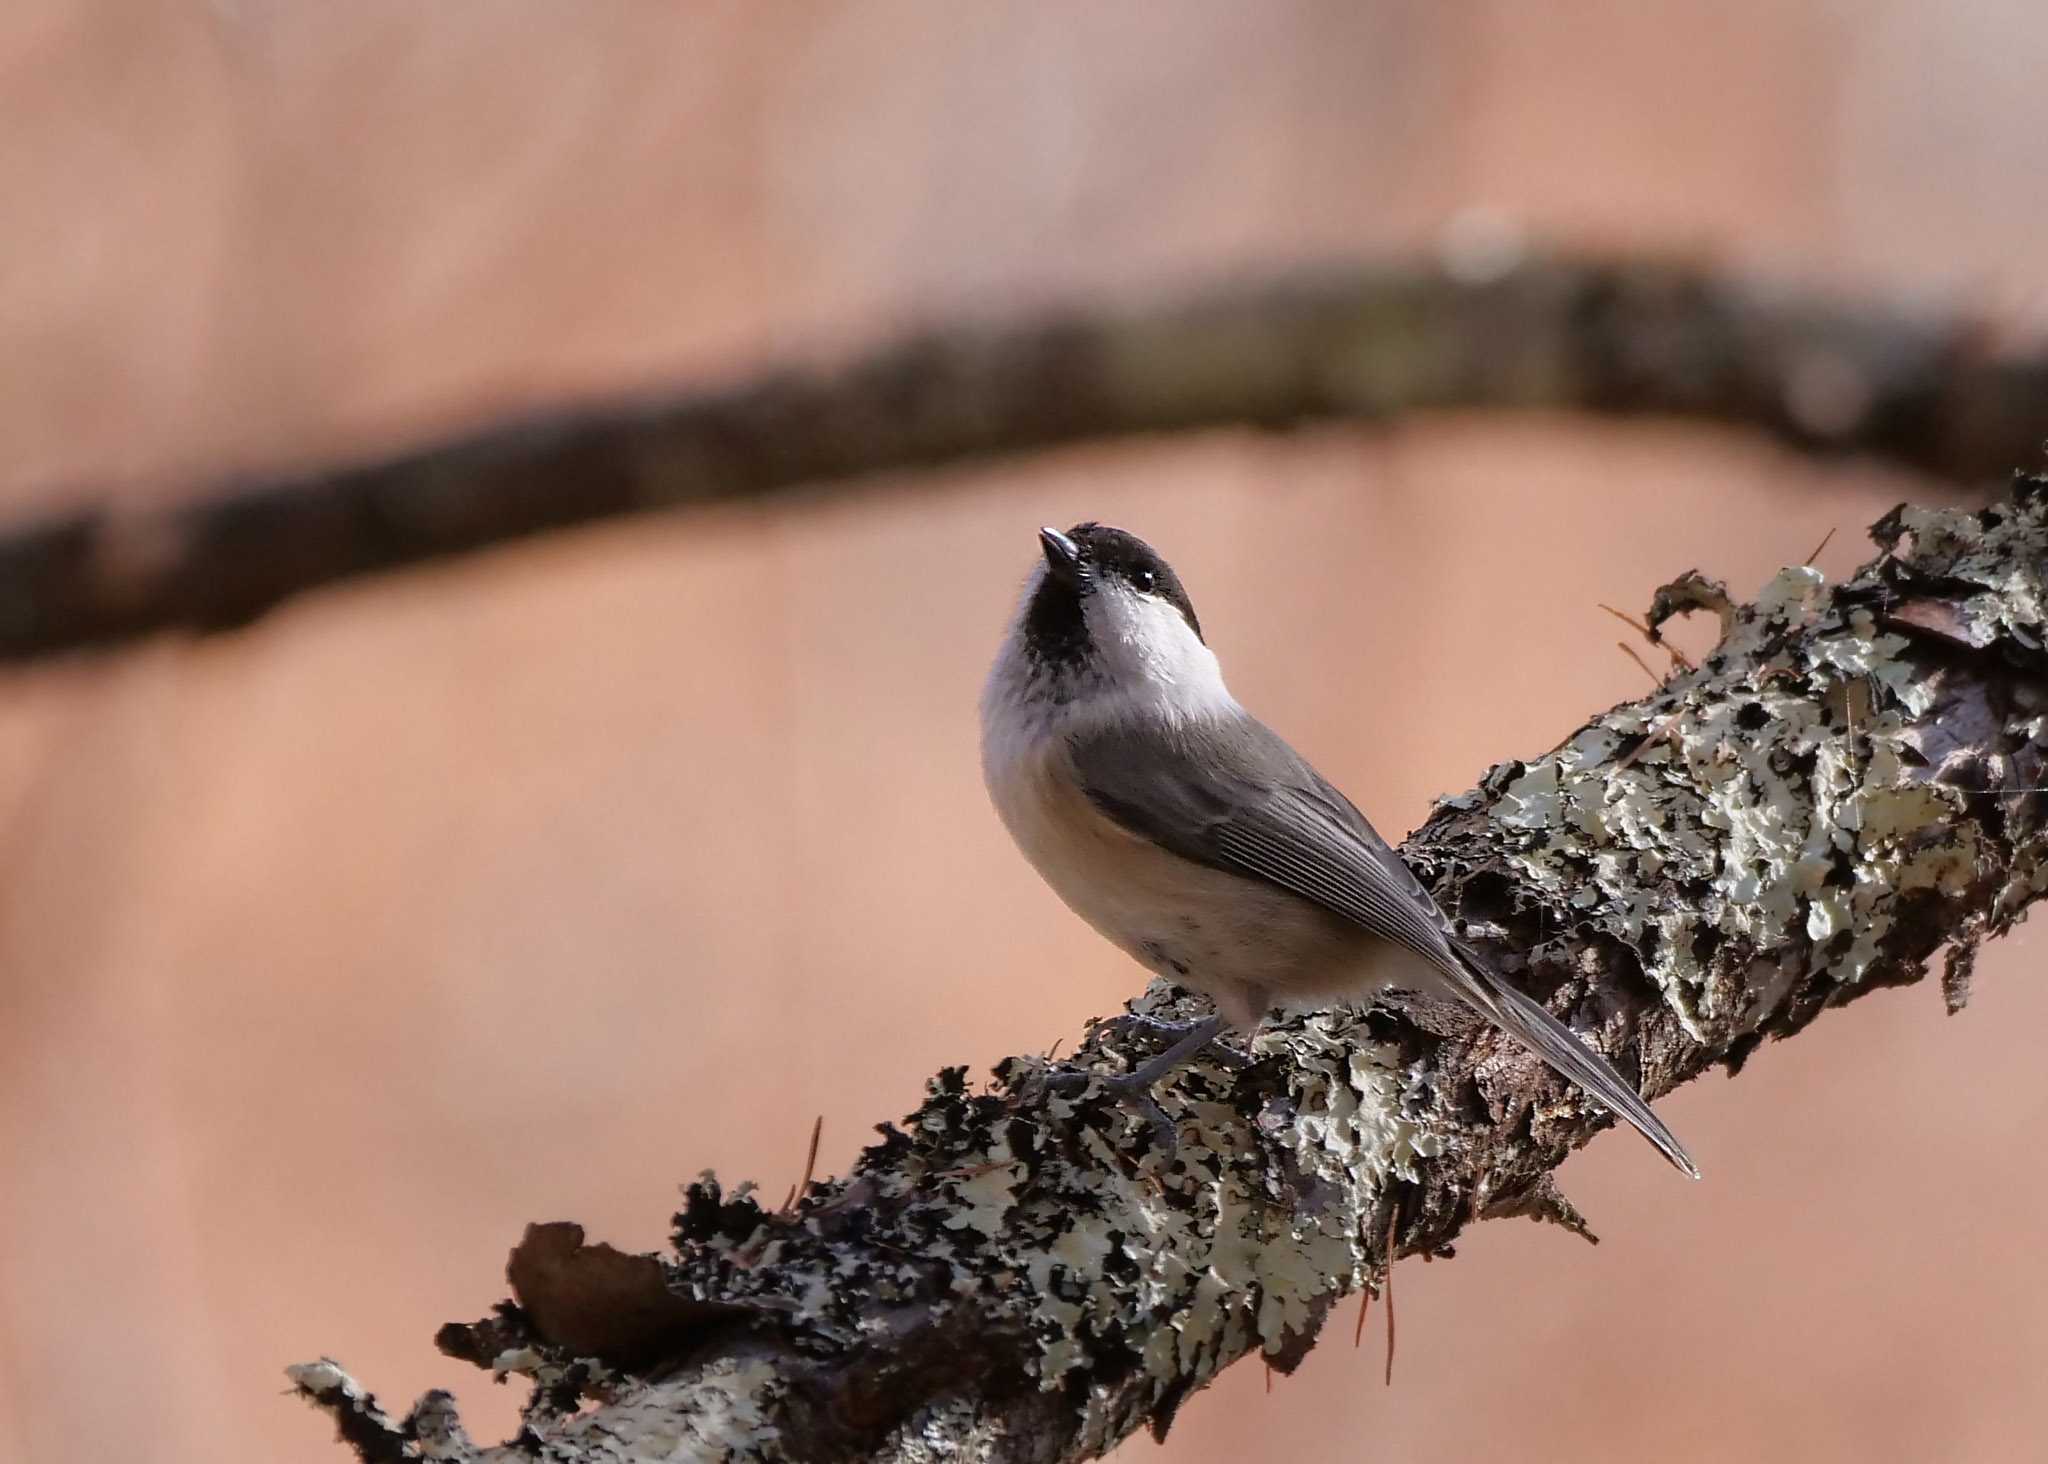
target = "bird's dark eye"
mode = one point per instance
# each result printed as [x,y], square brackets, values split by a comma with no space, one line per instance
[1144,580]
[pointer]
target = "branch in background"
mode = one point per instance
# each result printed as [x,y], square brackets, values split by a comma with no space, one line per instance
[1850,782]
[1615,337]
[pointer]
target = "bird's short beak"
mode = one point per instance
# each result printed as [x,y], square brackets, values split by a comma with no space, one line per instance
[1062,555]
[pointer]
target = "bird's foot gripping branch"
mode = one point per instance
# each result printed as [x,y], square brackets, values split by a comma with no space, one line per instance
[1851,782]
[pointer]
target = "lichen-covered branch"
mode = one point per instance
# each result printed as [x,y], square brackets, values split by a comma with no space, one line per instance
[1615,336]
[1850,783]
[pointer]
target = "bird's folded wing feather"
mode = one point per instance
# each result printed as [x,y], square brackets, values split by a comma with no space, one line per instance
[1234,796]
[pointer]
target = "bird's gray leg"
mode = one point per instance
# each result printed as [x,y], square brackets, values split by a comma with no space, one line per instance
[1145,1022]
[1135,1087]
[1209,1027]
[1192,1038]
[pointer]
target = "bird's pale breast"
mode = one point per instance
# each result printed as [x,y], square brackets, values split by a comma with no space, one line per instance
[1247,944]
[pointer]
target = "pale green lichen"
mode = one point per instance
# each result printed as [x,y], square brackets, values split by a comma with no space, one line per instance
[1204,1239]
[1351,1102]
[2014,598]
[721,1413]
[730,1417]
[1791,801]
[1202,1254]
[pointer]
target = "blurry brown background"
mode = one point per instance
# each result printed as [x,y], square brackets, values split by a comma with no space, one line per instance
[333,952]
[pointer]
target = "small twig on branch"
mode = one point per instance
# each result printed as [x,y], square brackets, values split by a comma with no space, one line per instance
[1630,651]
[1017,1277]
[1393,1218]
[1616,337]
[802,1186]
[1644,629]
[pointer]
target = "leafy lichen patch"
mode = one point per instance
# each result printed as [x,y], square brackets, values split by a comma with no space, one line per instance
[1103,1252]
[1784,814]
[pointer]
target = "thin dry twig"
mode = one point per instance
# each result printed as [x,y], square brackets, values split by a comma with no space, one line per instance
[803,1185]
[1665,727]
[1630,651]
[1393,1219]
[1644,629]
[1633,622]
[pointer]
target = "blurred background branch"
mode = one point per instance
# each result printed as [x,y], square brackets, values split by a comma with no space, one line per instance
[1482,328]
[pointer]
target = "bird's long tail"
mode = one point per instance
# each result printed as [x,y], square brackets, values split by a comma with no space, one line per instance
[1557,1045]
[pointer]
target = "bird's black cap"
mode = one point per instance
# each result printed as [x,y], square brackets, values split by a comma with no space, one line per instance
[1055,628]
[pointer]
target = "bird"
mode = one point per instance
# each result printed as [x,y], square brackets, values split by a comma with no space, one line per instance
[1196,840]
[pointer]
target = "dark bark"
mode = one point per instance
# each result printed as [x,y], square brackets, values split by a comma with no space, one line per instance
[1612,337]
[1849,783]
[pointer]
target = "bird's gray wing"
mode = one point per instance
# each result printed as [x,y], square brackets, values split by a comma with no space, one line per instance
[1234,796]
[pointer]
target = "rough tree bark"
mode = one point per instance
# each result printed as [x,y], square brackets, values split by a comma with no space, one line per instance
[1621,337]
[1850,783]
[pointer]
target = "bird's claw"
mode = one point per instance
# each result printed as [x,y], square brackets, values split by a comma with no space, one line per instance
[1197,1031]
[1133,1090]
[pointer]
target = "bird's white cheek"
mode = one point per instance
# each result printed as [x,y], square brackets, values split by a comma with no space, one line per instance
[1153,656]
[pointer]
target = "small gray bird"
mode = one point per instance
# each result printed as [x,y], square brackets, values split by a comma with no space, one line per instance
[1196,840]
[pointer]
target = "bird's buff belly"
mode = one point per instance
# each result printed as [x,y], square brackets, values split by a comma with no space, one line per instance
[1246,944]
